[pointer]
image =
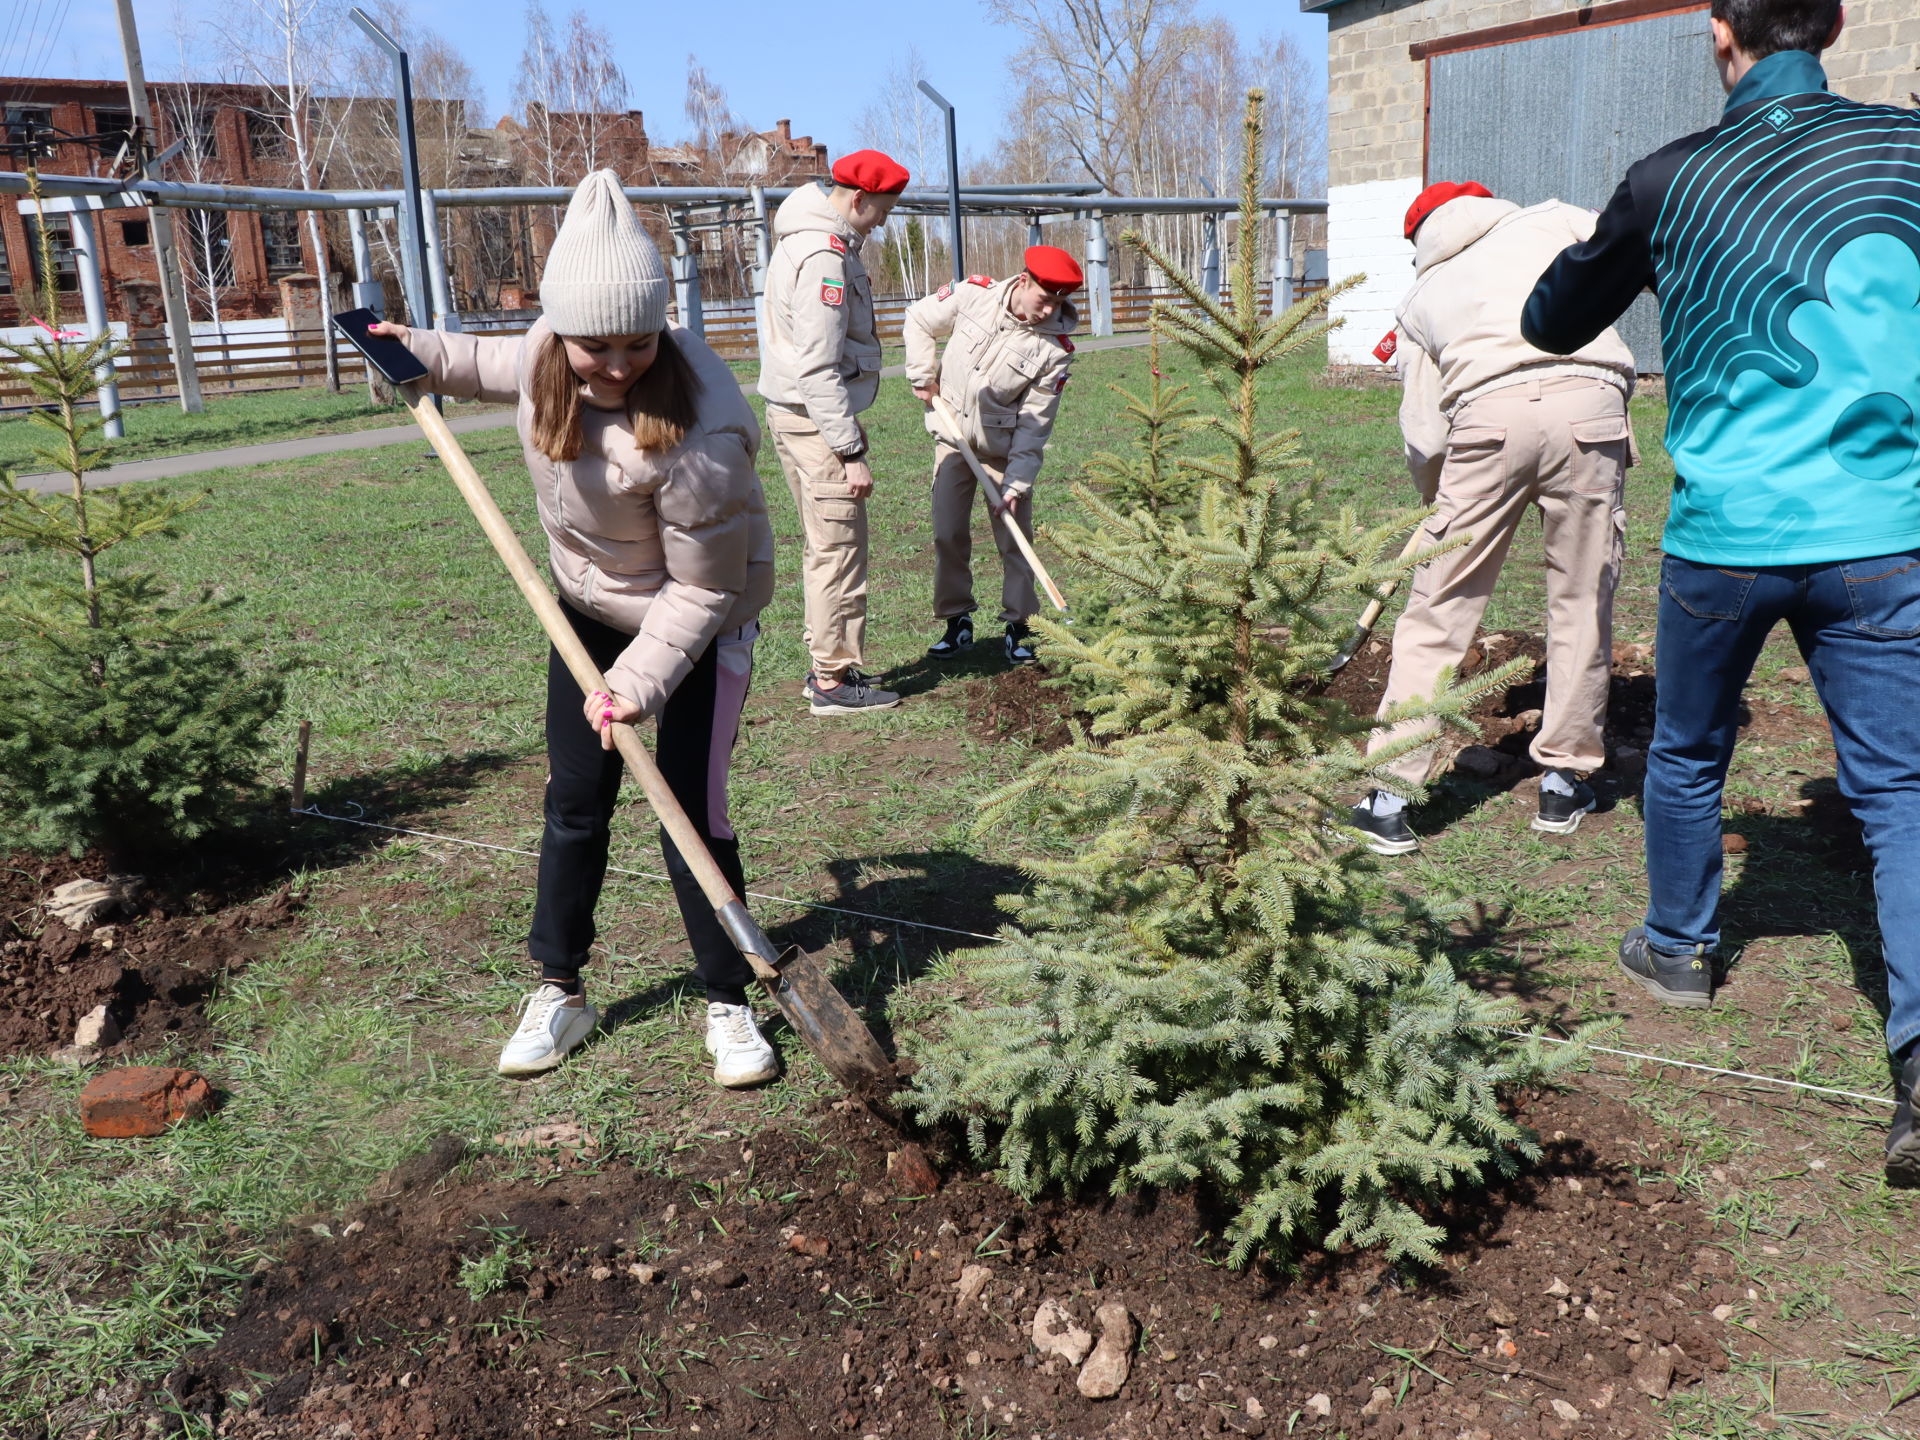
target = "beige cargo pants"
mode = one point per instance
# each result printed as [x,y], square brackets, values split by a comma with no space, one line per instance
[1562,445]
[953,501]
[833,546]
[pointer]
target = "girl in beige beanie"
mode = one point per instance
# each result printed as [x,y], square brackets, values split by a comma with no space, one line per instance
[642,452]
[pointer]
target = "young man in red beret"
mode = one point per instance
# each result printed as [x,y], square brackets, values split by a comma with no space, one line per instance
[819,368]
[1493,428]
[1003,371]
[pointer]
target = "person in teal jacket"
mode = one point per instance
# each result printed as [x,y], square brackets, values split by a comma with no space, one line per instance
[1784,244]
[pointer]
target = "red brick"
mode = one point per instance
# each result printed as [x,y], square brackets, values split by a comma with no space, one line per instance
[142,1100]
[912,1173]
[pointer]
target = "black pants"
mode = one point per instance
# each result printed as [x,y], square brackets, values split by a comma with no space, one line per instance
[584,781]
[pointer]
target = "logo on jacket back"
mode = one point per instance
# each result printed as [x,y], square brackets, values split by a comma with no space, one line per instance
[1779,117]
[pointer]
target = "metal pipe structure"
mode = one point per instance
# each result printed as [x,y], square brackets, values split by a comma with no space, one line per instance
[1099,278]
[956,243]
[413,236]
[762,258]
[166,262]
[1283,287]
[1034,236]
[446,315]
[368,293]
[686,278]
[93,296]
[1210,255]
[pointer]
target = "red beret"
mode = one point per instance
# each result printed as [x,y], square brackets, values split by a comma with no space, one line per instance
[1434,196]
[871,171]
[1054,268]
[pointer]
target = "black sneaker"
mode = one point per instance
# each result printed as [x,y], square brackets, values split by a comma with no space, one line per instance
[1560,814]
[854,695]
[957,641]
[1019,644]
[1685,980]
[1903,1146]
[1385,834]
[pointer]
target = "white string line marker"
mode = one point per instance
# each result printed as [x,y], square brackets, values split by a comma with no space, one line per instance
[316,813]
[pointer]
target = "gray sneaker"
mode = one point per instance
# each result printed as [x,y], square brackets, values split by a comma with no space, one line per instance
[1684,980]
[854,695]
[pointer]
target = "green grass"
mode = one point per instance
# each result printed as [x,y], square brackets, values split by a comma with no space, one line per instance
[377,1026]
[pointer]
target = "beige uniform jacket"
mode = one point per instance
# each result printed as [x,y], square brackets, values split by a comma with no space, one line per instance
[674,546]
[1002,376]
[819,350]
[1476,260]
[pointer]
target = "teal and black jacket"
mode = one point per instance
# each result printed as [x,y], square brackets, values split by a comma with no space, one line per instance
[1784,245]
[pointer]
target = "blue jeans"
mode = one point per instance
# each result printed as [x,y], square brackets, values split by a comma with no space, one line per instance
[1857,623]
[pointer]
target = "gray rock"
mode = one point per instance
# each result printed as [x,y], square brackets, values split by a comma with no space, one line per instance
[1107,1368]
[1055,1333]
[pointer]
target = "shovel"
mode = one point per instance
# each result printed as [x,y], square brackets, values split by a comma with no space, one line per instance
[1370,616]
[818,1013]
[950,424]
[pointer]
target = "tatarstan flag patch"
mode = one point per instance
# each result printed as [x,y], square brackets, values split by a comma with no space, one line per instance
[833,292]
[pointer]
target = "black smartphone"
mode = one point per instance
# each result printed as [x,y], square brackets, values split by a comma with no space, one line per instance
[387,355]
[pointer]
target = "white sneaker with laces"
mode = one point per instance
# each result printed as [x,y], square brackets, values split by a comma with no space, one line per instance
[549,1028]
[741,1054]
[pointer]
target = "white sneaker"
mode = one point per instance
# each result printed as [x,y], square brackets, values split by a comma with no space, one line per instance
[741,1054]
[549,1028]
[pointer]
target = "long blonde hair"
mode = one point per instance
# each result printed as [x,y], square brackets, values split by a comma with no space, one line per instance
[660,404]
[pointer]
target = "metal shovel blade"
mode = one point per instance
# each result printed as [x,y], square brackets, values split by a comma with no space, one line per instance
[829,1027]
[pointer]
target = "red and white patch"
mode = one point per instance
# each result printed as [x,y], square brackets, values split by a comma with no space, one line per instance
[832,292]
[983,281]
[1389,343]
[943,292]
[834,242]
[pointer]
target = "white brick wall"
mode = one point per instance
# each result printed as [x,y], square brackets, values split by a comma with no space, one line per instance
[1363,237]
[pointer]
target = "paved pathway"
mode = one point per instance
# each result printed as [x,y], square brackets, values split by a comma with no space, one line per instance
[168,467]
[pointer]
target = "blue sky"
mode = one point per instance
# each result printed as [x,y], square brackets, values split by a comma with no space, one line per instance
[818,65]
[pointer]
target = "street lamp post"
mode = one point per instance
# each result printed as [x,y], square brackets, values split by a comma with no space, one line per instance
[953,182]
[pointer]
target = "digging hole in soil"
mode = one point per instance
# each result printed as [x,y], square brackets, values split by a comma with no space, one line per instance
[767,1287]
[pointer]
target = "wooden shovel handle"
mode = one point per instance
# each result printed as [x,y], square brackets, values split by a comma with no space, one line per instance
[950,423]
[506,544]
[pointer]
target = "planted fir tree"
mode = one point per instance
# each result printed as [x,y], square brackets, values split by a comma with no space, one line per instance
[128,721]
[1207,991]
[1152,477]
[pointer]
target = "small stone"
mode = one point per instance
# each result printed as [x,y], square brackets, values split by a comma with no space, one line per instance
[1269,1342]
[1558,1287]
[1186,1394]
[354,1227]
[142,1100]
[1255,1410]
[670,1214]
[974,1357]
[600,1272]
[1653,1375]
[106,937]
[1723,1313]
[817,1246]
[1378,1401]
[911,1172]
[1055,1333]
[645,1274]
[1321,1405]
[973,1279]
[1793,675]
[1502,1314]
[1563,1409]
[1107,1368]
[1593,1315]
[1733,844]
[97,1030]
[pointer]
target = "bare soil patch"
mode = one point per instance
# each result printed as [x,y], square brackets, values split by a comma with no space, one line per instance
[770,1287]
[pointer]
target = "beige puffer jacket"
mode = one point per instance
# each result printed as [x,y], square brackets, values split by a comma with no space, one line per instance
[1002,376]
[819,350]
[671,546]
[1476,260]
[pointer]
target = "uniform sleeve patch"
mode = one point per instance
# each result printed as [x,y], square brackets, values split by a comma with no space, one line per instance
[832,292]
[834,242]
[943,292]
[983,281]
[1065,343]
[1390,342]
[1060,385]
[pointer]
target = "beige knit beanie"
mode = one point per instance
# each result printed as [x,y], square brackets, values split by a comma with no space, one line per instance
[603,275]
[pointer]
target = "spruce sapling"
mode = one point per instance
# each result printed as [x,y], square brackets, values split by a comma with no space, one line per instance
[1206,989]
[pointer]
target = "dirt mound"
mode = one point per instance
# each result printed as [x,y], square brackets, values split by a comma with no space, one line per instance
[154,971]
[1025,701]
[760,1289]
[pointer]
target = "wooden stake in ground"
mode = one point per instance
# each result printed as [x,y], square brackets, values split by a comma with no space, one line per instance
[954,436]
[819,1014]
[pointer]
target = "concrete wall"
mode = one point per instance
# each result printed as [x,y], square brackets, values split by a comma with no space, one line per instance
[1376,123]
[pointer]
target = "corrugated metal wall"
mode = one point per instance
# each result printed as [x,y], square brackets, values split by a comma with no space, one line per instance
[1561,118]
